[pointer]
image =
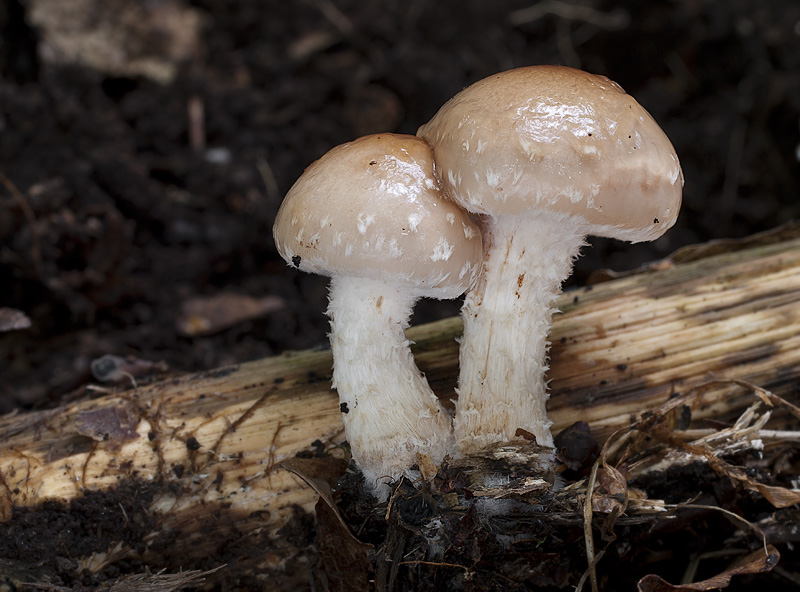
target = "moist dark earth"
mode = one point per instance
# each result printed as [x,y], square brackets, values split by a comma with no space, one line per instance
[131,198]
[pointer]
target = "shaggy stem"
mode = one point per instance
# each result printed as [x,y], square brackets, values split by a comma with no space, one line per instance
[507,318]
[389,411]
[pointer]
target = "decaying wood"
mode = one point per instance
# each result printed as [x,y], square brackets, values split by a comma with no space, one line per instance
[215,438]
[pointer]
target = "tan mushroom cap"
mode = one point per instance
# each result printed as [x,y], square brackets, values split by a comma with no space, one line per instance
[562,139]
[373,208]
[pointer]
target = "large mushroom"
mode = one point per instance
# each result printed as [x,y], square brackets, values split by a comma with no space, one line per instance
[546,155]
[369,214]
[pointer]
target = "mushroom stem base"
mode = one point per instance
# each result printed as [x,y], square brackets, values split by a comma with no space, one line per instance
[507,317]
[390,414]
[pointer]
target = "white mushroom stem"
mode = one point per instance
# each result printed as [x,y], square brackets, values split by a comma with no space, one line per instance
[507,318]
[389,411]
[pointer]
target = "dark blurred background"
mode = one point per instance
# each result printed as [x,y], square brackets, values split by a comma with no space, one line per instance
[145,148]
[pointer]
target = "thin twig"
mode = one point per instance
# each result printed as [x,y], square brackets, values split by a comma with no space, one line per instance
[197,124]
[697,433]
[244,417]
[336,17]
[733,515]
[691,569]
[589,571]
[588,536]
[464,567]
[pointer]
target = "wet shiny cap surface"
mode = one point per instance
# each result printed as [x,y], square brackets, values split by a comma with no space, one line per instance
[373,208]
[561,139]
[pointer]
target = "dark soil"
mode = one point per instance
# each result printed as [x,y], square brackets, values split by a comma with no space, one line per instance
[93,542]
[116,211]
[41,543]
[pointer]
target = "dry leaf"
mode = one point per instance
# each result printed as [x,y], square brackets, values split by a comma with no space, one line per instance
[206,316]
[611,493]
[116,425]
[780,497]
[756,562]
[343,557]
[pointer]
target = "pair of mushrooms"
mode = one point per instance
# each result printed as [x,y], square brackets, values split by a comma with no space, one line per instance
[541,157]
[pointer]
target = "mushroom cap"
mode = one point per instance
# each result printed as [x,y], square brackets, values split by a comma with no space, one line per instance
[373,208]
[560,139]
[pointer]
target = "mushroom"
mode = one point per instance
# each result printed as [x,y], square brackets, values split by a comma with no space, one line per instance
[369,214]
[546,155]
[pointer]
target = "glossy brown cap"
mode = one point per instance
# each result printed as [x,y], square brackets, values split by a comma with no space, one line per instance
[373,208]
[561,139]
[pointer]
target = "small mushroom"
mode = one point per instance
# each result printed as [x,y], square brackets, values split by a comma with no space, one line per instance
[369,214]
[546,155]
